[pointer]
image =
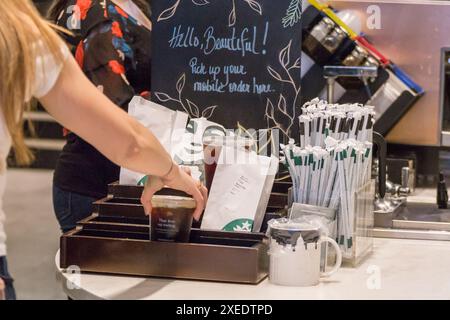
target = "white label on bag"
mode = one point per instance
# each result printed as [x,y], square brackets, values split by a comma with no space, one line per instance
[236,191]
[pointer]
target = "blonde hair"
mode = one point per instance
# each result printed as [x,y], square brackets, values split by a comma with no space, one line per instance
[21,28]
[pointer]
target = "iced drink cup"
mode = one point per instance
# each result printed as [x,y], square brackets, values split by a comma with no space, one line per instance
[212,146]
[171,218]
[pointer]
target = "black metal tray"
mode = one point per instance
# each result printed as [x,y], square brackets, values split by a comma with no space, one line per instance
[115,240]
[122,248]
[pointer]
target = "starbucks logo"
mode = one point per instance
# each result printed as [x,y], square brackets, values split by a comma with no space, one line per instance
[242,225]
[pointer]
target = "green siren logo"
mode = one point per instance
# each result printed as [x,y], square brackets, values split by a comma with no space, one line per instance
[243,225]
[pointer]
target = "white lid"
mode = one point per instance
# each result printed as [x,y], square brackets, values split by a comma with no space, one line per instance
[173,202]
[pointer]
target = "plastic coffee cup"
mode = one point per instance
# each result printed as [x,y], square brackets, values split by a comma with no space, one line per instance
[171,218]
[212,147]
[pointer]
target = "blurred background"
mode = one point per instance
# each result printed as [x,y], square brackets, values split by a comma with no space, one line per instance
[414,34]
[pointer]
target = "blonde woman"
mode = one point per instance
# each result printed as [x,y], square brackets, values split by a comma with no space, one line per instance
[35,63]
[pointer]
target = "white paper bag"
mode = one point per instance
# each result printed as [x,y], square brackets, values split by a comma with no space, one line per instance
[167,125]
[240,191]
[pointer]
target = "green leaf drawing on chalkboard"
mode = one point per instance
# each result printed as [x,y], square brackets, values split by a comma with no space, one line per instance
[274,73]
[181,82]
[297,64]
[208,112]
[293,14]
[232,16]
[270,117]
[193,108]
[285,55]
[282,117]
[163,97]
[282,106]
[255,6]
[200,2]
[270,113]
[187,105]
[169,12]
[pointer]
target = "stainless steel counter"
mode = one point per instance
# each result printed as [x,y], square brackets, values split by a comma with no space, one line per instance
[420,218]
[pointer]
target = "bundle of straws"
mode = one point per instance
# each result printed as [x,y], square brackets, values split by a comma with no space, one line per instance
[332,163]
[339,121]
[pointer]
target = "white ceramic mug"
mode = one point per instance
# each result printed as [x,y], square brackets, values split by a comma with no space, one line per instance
[300,265]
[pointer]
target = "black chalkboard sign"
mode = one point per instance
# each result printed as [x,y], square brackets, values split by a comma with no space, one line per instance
[229,60]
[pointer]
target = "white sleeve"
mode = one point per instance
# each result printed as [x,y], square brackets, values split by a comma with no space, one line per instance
[47,70]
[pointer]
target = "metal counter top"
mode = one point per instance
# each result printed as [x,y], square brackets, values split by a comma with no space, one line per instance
[420,218]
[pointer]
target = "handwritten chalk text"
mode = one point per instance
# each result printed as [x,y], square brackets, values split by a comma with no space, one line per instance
[244,42]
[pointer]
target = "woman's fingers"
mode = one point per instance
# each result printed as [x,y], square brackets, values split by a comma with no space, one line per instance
[200,200]
[146,200]
[183,182]
[201,206]
[204,193]
[152,186]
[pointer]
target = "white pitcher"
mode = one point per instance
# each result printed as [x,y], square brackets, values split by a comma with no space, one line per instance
[295,250]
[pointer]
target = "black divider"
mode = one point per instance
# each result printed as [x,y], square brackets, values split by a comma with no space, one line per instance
[395,112]
[343,51]
[122,219]
[111,234]
[197,237]
[310,17]
[127,201]
[113,207]
[282,186]
[116,227]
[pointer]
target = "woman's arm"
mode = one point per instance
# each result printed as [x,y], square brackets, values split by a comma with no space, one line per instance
[79,106]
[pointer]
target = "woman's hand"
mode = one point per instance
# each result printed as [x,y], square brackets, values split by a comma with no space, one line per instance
[179,179]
